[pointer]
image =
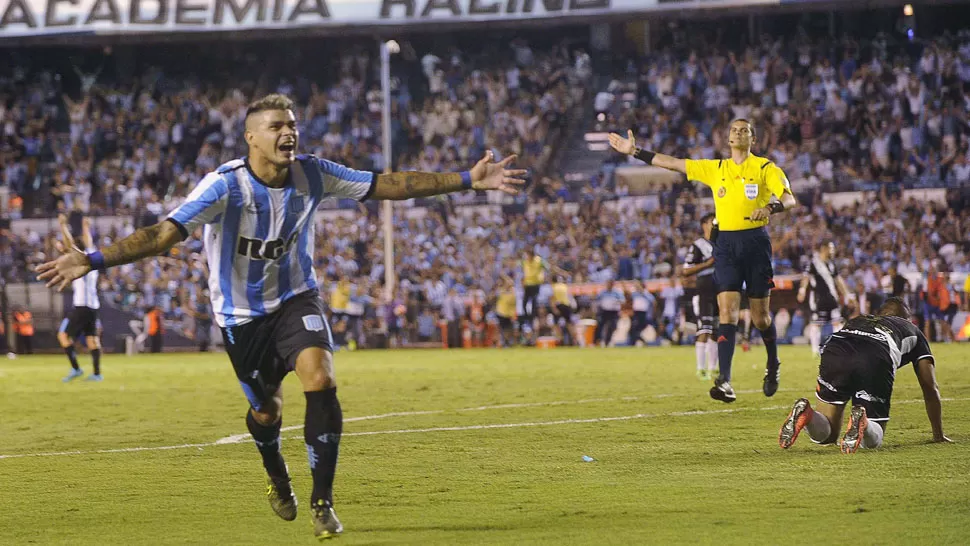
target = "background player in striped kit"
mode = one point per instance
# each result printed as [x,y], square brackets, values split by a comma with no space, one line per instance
[83,319]
[825,290]
[257,214]
[699,265]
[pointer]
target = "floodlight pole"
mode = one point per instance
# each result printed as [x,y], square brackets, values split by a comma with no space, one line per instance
[388,210]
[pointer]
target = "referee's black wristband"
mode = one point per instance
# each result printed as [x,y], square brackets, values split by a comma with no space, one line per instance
[775,207]
[644,155]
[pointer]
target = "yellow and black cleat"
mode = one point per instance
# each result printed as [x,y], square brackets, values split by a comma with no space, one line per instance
[325,522]
[281,499]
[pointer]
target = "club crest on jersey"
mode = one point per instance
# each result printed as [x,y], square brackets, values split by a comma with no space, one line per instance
[722,191]
[255,249]
[751,191]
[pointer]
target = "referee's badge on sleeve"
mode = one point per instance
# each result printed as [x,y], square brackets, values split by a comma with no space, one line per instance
[751,191]
[721,192]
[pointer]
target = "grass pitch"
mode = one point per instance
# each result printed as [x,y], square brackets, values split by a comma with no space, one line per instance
[475,447]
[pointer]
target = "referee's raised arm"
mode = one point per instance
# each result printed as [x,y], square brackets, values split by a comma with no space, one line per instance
[628,146]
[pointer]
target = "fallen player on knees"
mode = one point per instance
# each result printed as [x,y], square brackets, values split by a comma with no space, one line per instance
[859,363]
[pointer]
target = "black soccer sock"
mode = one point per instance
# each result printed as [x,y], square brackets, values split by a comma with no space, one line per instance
[726,338]
[321,430]
[96,358]
[267,439]
[72,356]
[770,336]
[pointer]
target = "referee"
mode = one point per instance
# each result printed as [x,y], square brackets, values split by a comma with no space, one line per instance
[743,188]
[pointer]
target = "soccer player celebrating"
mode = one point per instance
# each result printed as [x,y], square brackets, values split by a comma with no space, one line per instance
[259,241]
[700,265]
[83,319]
[825,289]
[743,188]
[859,363]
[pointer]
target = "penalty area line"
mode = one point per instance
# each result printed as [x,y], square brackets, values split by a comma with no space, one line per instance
[448,429]
[237,438]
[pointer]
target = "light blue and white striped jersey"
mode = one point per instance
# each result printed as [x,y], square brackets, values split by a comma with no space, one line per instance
[86,289]
[259,240]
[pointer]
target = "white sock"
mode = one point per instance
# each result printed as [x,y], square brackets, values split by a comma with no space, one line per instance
[711,355]
[815,337]
[872,438]
[700,349]
[819,427]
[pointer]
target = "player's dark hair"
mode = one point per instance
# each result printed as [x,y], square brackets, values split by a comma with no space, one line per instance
[895,307]
[275,101]
[709,217]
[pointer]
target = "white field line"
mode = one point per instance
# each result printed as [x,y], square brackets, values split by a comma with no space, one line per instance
[447,429]
[236,438]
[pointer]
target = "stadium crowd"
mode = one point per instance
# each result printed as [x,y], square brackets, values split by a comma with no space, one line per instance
[831,112]
[133,143]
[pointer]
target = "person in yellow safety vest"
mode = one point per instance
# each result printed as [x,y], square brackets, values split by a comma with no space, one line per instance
[505,310]
[339,299]
[534,269]
[563,305]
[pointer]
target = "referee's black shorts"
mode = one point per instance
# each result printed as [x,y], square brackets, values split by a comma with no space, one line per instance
[264,350]
[744,258]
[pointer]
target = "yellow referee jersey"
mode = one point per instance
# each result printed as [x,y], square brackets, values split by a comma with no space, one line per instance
[739,189]
[533,271]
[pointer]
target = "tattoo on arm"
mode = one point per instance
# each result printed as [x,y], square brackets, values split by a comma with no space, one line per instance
[145,242]
[407,185]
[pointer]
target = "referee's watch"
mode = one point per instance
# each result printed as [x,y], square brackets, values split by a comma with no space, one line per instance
[775,207]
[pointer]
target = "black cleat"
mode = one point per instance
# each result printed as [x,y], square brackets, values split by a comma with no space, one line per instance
[722,391]
[770,384]
[325,522]
[281,498]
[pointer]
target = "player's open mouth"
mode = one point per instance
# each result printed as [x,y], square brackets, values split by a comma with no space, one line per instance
[287,147]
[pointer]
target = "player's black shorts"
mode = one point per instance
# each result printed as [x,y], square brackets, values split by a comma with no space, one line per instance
[83,321]
[690,312]
[506,323]
[744,257]
[705,310]
[565,313]
[264,350]
[826,316]
[854,369]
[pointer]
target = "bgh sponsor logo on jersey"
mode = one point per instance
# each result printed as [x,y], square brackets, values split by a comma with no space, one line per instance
[255,249]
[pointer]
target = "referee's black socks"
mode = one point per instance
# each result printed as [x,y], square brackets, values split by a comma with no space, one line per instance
[96,359]
[267,439]
[727,336]
[321,430]
[72,356]
[770,336]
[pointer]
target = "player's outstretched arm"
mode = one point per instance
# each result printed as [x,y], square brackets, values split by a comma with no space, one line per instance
[73,264]
[86,238]
[65,230]
[485,175]
[926,375]
[628,146]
